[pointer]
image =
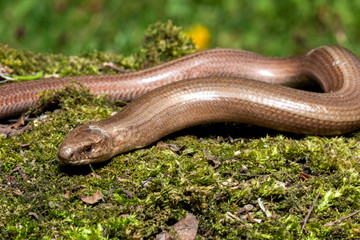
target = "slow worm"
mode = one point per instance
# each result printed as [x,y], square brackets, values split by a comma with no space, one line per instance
[217,85]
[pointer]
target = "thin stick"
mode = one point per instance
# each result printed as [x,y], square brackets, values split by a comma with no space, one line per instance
[308,215]
[340,219]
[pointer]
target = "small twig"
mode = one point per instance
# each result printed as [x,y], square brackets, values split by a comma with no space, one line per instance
[9,132]
[252,175]
[29,77]
[19,123]
[232,216]
[6,78]
[26,119]
[249,217]
[311,209]
[114,67]
[263,208]
[340,219]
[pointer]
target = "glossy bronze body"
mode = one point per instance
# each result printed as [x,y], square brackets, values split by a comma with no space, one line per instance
[221,85]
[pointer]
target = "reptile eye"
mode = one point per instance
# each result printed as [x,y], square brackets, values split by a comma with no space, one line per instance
[88,149]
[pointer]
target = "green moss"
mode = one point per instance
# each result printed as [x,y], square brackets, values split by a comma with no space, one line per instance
[148,190]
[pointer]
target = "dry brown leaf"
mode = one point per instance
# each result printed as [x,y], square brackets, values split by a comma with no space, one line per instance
[34,215]
[304,176]
[67,194]
[92,199]
[185,228]
[161,144]
[216,161]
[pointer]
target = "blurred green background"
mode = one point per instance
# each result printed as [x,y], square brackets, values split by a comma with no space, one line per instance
[269,27]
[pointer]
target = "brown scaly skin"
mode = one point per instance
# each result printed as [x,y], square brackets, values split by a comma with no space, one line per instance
[236,99]
[88,141]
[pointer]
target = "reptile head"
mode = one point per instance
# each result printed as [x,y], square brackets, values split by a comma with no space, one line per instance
[84,145]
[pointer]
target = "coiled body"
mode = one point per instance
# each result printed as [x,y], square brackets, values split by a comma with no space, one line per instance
[222,85]
[223,97]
